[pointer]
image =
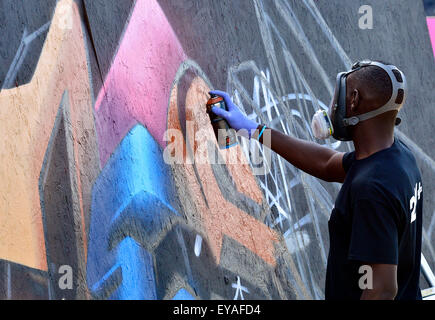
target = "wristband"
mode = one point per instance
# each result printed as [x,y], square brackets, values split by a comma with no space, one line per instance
[260,135]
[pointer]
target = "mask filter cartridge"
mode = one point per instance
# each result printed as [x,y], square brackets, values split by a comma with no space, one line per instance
[321,125]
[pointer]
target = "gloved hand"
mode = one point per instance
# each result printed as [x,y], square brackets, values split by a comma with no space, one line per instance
[236,119]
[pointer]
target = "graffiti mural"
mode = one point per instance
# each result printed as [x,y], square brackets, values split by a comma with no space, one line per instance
[431,27]
[47,165]
[93,97]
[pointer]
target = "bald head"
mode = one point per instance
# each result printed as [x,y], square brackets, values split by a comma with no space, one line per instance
[374,87]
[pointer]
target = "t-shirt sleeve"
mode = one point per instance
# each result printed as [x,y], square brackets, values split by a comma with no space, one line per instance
[374,236]
[347,160]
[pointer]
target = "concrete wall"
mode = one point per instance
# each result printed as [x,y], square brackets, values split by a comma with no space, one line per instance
[89,89]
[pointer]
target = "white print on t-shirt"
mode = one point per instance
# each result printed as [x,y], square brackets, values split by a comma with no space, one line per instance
[418,189]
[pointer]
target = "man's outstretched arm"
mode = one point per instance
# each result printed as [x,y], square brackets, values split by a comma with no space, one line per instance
[310,157]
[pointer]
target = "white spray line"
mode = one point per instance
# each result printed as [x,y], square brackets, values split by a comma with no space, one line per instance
[293,23]
[239,289]
[311,6]
[281,211]
[301,222]
[198,245]
[270,52]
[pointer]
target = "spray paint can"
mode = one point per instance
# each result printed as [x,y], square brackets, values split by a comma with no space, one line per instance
[228,135]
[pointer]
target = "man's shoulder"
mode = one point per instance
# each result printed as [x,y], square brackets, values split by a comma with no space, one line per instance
[393,164]
[390,177]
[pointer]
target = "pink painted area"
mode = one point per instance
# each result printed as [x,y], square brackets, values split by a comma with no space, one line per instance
[137,87]
[431,27]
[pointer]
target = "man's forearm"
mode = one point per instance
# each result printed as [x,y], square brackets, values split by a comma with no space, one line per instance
[308,156]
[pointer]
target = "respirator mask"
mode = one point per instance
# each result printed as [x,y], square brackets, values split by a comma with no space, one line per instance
[334,122]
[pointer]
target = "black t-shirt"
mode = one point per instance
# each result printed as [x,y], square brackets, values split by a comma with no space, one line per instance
[377,218]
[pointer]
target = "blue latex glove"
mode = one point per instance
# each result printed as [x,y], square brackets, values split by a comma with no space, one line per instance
[234,117]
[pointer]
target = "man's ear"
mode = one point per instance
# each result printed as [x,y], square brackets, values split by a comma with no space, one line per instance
[354,101]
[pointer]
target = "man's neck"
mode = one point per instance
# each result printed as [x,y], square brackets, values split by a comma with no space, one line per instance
[368,142]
